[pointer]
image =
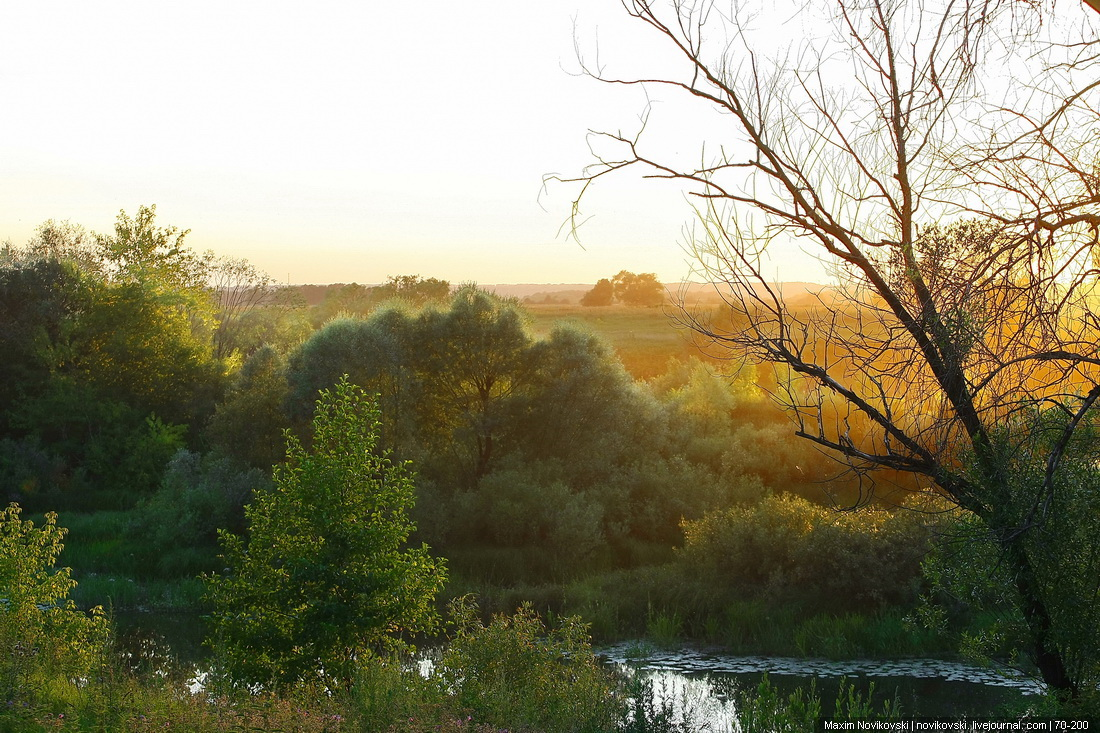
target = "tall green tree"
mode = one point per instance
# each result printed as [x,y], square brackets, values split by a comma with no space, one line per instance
[325,578]
[475,350]
[108,356]
[42,302]
[138,250]
[444,374]
[248,423]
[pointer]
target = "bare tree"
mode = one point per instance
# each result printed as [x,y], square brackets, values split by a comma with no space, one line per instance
[961,342]
[238,287]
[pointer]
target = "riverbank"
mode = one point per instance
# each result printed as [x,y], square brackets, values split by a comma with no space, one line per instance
[748,627]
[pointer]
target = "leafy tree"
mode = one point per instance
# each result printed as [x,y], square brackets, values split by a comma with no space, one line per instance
[474,352]
[602,293]
[638,290]
[325,578]
[444,375]
[578,400]
[970,574]
[943,332]
[45,640]
[248,424]
[133,346]
[500,424]
[413,288]
[64,242]
[377,354]
[132,322]
[626,288]
[141,252]
[42,302]
[107,353]
[143,257]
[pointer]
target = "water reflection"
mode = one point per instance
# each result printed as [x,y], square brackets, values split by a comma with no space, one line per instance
[168,645]
[923,686]
[700,680]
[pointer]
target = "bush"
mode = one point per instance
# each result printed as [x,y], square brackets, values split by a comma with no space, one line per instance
[45,641]
[517,673]
[785,549]
[34,476]
[198,496]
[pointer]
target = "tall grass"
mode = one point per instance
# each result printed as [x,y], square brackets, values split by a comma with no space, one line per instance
[127,594]
[766,710]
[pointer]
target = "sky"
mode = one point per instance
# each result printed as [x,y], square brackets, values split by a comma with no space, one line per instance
[337,141]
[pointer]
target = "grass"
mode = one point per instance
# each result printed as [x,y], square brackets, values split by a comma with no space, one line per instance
[664,629]
[100,542]
[658,603]
[113,568]
[126,594]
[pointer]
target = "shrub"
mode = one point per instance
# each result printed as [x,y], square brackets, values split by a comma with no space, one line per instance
[198,496]
[516,672]
[786,549]
[45,641]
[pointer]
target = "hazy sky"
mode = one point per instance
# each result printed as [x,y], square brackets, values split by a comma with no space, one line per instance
[338,141]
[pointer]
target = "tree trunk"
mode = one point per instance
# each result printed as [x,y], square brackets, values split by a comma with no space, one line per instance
[1045,654]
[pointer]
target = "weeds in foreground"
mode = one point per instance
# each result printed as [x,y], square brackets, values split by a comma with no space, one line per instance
[766,710]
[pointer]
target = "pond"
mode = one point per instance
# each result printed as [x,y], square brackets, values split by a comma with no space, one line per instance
[707,679]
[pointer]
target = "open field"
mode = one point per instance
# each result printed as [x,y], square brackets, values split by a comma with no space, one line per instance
[644,338]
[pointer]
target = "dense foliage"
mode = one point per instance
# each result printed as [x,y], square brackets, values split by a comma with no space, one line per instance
[108,362]
[969,575]
[545,444]
[786,550]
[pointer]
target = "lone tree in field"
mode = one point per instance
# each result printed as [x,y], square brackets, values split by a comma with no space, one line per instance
[963,342]
[627,288]
[325,578]
[640,290]
[601,294]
